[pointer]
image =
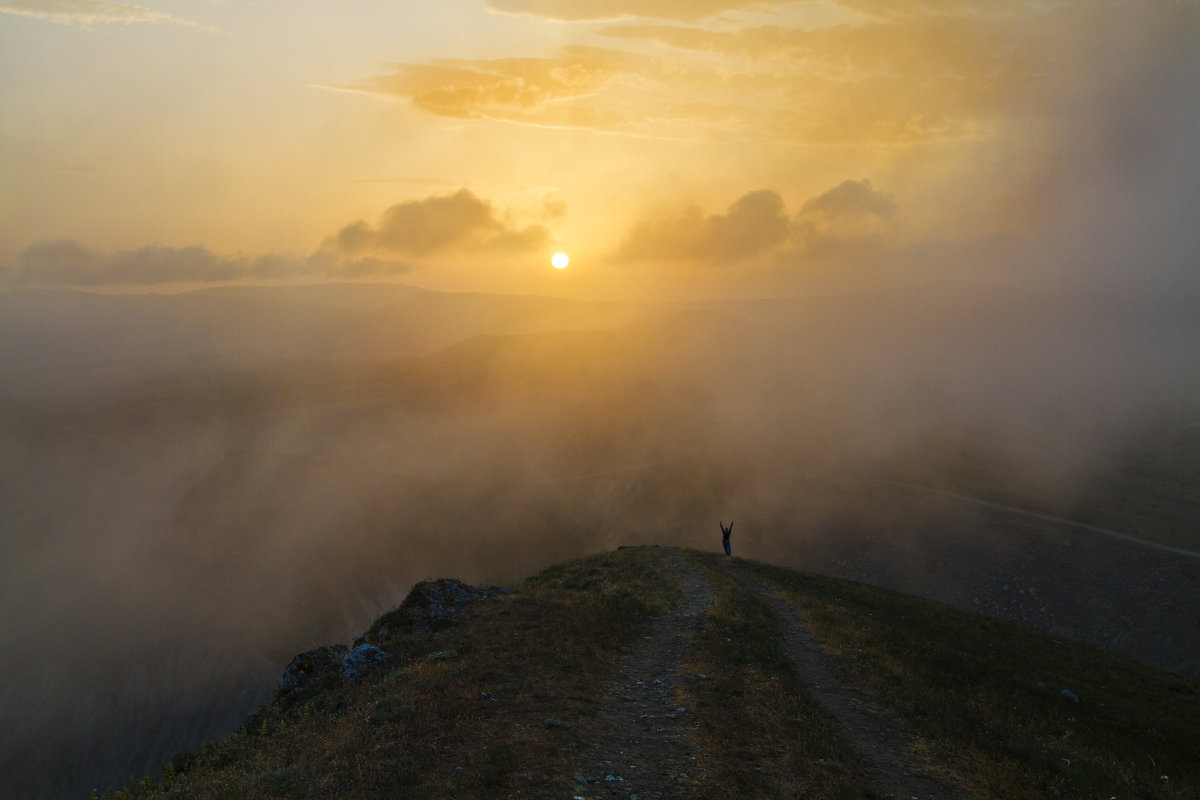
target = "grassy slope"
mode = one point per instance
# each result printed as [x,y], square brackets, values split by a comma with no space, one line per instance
[462,713]
[985,695]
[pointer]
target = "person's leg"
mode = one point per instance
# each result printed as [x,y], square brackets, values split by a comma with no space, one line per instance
[728,549]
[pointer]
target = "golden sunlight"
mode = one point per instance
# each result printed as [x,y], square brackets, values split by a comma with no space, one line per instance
[560,261]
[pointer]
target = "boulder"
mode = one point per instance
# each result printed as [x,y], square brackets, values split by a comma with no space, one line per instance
[430,606]
[361,660]
[307,668]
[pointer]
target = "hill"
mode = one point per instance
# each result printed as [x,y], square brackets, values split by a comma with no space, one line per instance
[659,672]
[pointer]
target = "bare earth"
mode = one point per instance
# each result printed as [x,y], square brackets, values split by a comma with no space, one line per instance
[642,743]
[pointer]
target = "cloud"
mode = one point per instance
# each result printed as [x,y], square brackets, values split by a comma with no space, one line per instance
[919,47]
[753,224]
[900,81]
[845,219]
[852,199]
[553,206]
[69,263]
[847,216]
[901,9]
[461,222]
[421,227]
[543,91]
[90,12]
[906,79]
[577,10]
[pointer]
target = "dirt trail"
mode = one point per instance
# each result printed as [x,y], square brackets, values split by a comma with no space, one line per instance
[642,743]
[890,762]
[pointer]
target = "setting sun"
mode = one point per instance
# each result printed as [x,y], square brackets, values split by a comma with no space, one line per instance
[560,261]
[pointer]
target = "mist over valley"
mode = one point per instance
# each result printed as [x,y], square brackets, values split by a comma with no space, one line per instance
[185,517]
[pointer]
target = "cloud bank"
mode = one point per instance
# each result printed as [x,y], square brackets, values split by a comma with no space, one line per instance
[441,222]
[91,12]
[408,231]
[555,91]
[758,223]
[70,263]
[579,10]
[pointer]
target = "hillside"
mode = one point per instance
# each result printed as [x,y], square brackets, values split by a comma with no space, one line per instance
[659,672]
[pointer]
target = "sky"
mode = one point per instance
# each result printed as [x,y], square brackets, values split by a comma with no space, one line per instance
[674,149]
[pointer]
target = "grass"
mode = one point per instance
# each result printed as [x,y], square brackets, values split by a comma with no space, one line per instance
[475,710]
[459,713]
[987,695]
[759,733]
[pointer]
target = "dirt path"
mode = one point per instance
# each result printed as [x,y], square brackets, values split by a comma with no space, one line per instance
[642,742]
[890,763]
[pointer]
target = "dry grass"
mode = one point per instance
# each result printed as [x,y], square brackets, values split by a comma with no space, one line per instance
[463,713]
[760,735]
[460,713]
[987,695]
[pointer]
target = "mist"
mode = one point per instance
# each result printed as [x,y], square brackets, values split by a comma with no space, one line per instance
[173,537]
[196,486]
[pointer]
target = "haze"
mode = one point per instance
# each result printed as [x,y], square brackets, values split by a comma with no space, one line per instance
[280,334]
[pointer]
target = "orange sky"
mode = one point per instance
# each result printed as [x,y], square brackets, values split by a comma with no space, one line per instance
[674,148]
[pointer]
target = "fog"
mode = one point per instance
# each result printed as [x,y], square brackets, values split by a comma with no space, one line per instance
[173,537]
[195,487]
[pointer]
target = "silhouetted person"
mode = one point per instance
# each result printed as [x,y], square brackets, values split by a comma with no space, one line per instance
[725,537]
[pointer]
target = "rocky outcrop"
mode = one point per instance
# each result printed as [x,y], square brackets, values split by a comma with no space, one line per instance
[361,660]
[430,606]
[308,669]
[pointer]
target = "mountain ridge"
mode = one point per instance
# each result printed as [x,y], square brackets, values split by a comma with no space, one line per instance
[662,672]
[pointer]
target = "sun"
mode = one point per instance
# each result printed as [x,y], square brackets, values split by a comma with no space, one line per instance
[560,261]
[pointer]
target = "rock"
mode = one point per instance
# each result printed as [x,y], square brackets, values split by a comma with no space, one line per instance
[430,605]
[554,723]
[307,668]
[360,660]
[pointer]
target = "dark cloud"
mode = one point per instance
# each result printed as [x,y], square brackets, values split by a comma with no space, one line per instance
[753,224]
[853,211]
[69,263]
[420,227]
[60,262]
[852,199]
[459,221]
